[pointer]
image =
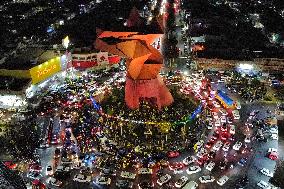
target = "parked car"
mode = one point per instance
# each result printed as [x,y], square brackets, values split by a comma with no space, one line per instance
[102,180]
[210,166]
[127,175]
[145,171]
[124,184]
[266,172]
[49,170]
[34,175]
[237,146]
[191,185]
[181,182]
[263,185]
[206,179]
[82,178]
[146,185]
[54,182]
[188,160]
[193,169]
[222,180]
[164,179]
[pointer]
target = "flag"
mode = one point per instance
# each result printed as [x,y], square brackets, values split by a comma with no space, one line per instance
[102,58]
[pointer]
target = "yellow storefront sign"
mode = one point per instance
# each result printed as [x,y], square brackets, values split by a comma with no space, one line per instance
[45,70]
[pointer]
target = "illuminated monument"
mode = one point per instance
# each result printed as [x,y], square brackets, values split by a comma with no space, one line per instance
[143,63]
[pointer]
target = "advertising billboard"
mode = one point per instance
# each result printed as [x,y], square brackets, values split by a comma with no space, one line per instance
[45,70]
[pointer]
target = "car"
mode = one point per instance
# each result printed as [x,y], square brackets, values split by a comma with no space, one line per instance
[210,166]
[201,153]
[223,111]
[54,182]
[215,135]
[206,179]
[236,114]
[223,164]
[127,175]
[146,185]
[188,160]
[243,162]
[237,145]
[209,144]
[82,178]
[62,168]
[217,123]
[49,170]
[35,168]
[176,165]
[124,184]
[102,180]
[173,154]
[266,172]
[216,104]
[193,169]
[142,171]
[226,146]
[232,129]
[191,185]
[212,154]
[222,180]
[274,136]
[215,115]
[263,185]
[247,139]
[218,145]
[224,128]
[273,130]
[181,182]
[34,175]
[164,179]
[223,119]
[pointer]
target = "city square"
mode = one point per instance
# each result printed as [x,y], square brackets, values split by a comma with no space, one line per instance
[146,105]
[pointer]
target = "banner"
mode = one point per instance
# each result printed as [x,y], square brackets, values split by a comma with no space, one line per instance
[45,70]
[102,58]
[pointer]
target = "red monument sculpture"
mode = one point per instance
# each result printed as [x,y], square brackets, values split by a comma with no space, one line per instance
[143,64]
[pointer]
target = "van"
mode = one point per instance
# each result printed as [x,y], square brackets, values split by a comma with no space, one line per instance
[191,185]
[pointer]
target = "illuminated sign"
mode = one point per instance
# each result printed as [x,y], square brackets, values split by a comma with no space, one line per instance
[45,70]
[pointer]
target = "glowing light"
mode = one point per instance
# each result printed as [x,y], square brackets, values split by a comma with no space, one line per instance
[246,66]
[65,42]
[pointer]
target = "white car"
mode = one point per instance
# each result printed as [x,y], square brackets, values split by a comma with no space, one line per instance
[223,119]
[226,146]
[206,179]
[272,150]
[217,123]
[193,169]
[216,104]
[128,175]
[49,170]
[274,131]
[263,185]
[143,171]
[82,178]
[164,179]
[210,166]
[232,129]
[53,181]
[266,172]
[215,115]
[237,146]
[101,180]
[191,185]
[181,182]
[218,145]
[236,114]
[210,125]
[222,180]
[274,136]
[247,139]
[61,168]
[188,160]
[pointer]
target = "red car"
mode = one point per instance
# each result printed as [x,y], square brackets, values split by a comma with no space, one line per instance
[202,160]
[209,144]
[173,154]
[176,165]
[10,164]
[35,168]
